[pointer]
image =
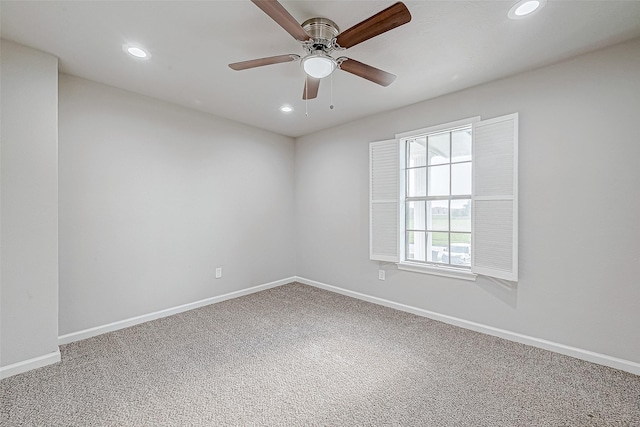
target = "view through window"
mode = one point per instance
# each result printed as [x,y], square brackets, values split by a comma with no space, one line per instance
[438,198]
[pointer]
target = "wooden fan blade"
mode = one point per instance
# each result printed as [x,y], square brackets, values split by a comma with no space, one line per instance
[263,61]
[283,18]
[311,86]
[367,72]
[381,22]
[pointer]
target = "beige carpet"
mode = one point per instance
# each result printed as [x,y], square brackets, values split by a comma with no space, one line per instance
[300,356]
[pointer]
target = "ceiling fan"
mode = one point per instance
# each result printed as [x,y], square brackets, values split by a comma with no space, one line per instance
[321,36]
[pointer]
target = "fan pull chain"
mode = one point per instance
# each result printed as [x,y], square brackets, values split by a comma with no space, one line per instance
[331,81]
[306,96]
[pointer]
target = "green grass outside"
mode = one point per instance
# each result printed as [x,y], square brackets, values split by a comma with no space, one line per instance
[442,239]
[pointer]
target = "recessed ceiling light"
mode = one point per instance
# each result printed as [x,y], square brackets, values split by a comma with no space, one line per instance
[286,108]
[136,51]
[525,8]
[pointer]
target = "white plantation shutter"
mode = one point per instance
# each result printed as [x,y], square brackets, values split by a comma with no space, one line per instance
[495,198]
[384,171]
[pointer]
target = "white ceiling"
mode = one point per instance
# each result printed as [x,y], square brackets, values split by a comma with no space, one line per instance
[448,46]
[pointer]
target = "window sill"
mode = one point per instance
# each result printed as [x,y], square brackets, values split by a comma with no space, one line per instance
[456,273]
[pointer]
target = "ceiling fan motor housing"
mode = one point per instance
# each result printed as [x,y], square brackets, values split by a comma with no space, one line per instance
[323,31]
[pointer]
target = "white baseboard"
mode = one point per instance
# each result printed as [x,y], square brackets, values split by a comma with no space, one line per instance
[121,324]
[590,356]
[578,353]
[27,365]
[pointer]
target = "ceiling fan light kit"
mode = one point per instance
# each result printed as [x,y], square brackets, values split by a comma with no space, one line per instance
[318,65]
[319,37]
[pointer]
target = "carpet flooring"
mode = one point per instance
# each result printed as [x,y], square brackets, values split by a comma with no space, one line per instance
[300,356]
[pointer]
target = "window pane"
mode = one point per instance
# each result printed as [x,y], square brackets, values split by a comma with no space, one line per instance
[461,215]
[460,253]
[415,215]
[417,153]
[461,145]
[439,149]
[461,179]
[439,168]
[437,245]
[415,245]
[438,215]
[416,182]
[439,180]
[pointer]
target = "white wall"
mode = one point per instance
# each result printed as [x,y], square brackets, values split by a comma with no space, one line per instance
[29,202]
[579,205]
[154,197]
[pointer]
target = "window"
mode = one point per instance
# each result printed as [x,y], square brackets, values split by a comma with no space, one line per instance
[443,200]
[437,202]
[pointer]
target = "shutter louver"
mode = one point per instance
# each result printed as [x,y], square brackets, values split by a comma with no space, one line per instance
[495,198]
[384,201]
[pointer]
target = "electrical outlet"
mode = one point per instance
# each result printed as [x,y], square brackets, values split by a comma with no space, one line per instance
[381,274]
[218,272]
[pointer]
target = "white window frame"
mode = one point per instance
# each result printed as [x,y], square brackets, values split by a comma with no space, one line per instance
[419,267]
[494,198]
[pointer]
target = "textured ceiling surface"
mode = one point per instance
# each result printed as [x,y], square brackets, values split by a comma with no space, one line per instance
[448,46]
